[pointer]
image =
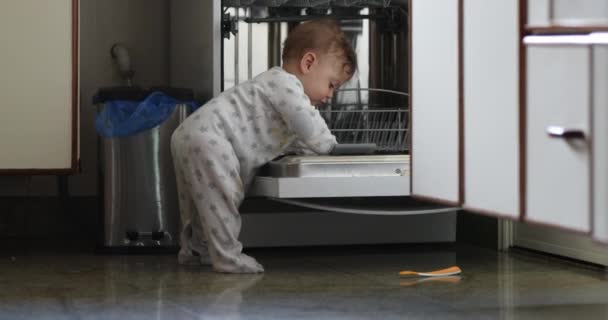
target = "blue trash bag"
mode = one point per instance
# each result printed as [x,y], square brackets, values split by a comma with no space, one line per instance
[121,118]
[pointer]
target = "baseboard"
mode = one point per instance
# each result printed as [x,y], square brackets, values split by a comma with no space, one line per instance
[559,242]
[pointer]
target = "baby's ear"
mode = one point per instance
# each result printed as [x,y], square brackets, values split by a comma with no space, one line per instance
[308,60]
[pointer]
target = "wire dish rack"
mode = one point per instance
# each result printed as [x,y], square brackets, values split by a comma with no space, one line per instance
[366,115]
[307,3]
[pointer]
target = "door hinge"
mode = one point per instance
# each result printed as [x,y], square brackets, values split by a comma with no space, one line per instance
[229,25]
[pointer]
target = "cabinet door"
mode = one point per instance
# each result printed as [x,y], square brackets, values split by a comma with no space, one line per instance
[434,99]
[491,106]
[580,12]
[558,120]
[38,86]
[600,143]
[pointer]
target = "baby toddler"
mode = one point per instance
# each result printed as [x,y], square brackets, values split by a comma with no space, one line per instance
[218,149]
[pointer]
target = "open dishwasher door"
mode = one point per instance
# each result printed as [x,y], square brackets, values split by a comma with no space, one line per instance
[356,117]
[334,176]
[360,183]
[363,184]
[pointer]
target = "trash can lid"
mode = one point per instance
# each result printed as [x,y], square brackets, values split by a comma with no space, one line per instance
[104,95]
[119,93]
[182,94]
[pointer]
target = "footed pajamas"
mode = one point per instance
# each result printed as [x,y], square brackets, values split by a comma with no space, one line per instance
[217,151]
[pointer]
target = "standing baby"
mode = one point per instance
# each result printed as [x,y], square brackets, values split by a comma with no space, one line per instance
[218,149]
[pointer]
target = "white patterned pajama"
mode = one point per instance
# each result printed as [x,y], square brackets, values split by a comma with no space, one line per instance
[217,151]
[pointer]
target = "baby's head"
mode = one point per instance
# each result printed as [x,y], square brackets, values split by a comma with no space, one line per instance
[320,55]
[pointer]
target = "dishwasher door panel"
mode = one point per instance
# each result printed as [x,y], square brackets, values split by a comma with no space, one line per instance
[334,176]
[329,187]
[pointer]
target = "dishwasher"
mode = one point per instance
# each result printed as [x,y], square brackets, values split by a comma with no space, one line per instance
[238,39]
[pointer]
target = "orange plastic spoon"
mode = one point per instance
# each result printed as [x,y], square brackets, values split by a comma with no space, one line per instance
[437,273]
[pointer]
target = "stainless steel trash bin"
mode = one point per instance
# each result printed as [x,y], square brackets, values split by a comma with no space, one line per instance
[138,200]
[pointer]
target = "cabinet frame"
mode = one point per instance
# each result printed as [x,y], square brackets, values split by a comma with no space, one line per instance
[75,96]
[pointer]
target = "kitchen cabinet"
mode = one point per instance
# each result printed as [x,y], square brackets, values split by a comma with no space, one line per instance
[38,86]
[517,129]
[434,100]
[465,98]
[491,36]
[566,127]
[558,133]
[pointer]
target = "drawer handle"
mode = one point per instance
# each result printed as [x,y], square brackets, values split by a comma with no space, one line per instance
[561,132]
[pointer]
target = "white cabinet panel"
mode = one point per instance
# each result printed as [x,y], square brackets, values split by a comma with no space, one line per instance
[580,12]
[491,102]
[36,84]
[589,13]
[435,99]
[600,143]
[558,169]
[539,13]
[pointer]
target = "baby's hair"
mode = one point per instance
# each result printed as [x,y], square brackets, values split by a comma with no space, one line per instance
[322,35]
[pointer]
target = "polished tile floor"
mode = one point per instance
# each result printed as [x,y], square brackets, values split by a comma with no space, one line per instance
[303,283]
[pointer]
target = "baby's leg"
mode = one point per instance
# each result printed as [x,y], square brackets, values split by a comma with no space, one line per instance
[194,249]
[193,241]
[216,178]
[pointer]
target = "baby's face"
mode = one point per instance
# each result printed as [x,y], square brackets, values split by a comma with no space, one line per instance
[326,75]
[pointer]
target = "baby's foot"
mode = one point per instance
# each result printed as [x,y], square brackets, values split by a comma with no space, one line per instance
[193,258]
[239,264]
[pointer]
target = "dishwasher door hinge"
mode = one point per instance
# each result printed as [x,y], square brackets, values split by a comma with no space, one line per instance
[229,25]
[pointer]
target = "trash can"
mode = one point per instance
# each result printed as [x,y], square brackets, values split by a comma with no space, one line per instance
[138,194]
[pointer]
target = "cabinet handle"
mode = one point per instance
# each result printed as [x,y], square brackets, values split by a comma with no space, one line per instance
[561,132]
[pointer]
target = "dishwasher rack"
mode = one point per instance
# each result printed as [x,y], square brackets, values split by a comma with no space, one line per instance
[307,3]
[367,115]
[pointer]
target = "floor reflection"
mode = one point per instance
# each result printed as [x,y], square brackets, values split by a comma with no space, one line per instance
[300,283]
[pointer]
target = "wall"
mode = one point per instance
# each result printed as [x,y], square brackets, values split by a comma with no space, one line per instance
[141,25]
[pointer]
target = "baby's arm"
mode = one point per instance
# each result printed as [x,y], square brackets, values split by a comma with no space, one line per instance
[299,148]
[288,98]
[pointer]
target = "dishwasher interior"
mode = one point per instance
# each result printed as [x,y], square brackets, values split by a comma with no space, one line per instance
[370,108]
